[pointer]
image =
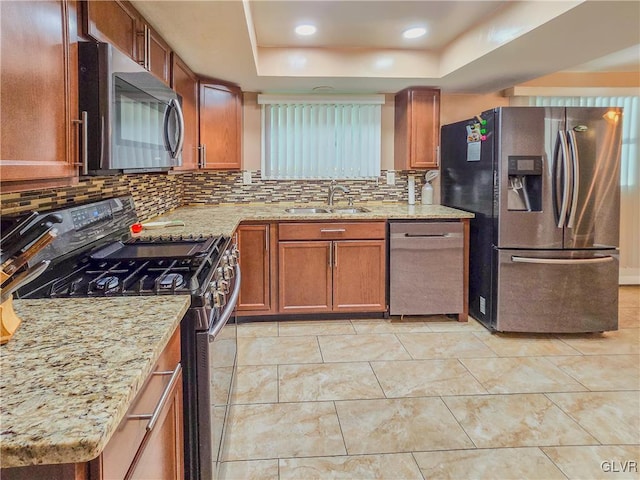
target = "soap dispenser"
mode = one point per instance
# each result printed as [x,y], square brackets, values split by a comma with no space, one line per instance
[427,189]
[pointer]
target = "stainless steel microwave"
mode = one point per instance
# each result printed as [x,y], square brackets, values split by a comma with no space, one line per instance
[132,122]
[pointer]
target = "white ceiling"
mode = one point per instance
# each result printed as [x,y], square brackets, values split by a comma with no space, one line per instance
[471,46]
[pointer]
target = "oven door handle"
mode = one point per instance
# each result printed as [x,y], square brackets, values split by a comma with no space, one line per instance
[228,308]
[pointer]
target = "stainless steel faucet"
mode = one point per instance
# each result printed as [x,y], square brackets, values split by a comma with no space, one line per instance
[332,190]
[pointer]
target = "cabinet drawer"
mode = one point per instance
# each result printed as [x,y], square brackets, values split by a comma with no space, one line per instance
[126,440]
[332,231]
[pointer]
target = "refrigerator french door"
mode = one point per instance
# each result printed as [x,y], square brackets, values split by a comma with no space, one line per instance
[544,185]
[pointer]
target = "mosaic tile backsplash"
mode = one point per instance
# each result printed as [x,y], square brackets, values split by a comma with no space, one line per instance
[155,194]
[227,187]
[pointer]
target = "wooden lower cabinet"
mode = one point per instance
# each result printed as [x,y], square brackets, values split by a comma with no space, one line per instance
[257,244]
[305,280]
[162,457]
[332,275]
[359,276]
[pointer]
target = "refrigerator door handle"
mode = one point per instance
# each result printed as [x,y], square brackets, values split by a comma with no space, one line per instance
[561,261]
[564,148]
[575,164]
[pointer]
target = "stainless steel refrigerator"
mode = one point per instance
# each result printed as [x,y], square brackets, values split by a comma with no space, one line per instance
[544,185]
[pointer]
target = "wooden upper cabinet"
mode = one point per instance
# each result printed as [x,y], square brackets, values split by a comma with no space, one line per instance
[113,21]
[154,53]
[220,125]
[185,83]
[38,91]
[119,23]
[417,128]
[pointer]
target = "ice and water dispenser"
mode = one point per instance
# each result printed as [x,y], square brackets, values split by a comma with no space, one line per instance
[525,183]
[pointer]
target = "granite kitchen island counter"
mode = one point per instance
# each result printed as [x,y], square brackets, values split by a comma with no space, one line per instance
[73,368]
[224,219]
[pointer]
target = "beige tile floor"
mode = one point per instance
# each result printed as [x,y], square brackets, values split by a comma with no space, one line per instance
[431,398]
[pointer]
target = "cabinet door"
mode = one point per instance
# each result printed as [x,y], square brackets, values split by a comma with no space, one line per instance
[114,21]
[185,83]
[417,128]
[161,456]
[304,277]
[38,94]
[220,126]
[157,54]
[255,263]
[359,276]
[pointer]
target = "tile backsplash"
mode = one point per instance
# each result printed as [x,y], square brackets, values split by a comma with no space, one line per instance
[155,194]
[227,187]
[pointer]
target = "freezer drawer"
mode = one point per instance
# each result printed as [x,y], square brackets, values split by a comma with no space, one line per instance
[557,292]
[426,268]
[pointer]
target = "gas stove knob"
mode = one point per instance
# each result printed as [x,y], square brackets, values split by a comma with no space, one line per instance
[231,258]
[235,252]
[219,274]
[225,260]
[223,286]
[219,299]
[229,272]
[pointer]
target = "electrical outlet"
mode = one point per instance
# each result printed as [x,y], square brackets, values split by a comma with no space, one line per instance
[391,177]
[246,177]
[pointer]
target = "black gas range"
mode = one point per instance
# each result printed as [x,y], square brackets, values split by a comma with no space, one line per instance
[94,255]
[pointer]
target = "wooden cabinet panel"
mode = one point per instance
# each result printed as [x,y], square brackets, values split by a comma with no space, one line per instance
[158,56]
[220,126]
[38,94]
[185,83]
[113,21]
[161,456]
[318,275]
[331,230]
[304,277]
[417,128]
[359,275]
[255,245]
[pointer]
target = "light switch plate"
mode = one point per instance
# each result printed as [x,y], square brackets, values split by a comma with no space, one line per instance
[246,177]
[391,177]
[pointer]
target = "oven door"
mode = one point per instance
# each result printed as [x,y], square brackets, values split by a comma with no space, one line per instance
[216,366]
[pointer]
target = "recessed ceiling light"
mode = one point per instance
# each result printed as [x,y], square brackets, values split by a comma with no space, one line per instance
[414,32]
[305,29]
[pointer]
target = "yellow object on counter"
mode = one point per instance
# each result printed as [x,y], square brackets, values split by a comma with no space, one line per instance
[9,321]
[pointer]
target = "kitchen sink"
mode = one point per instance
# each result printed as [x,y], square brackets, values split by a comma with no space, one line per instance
[303,210]
[350,210]
[310,210]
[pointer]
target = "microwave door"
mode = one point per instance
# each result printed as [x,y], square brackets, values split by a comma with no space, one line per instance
[174,130]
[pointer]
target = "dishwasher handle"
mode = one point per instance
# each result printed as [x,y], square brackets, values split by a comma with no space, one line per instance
[405,235]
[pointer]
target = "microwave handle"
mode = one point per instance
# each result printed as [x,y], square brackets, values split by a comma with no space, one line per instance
[178,108]
[174,104]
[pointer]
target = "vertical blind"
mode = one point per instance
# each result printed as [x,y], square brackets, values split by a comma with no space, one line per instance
[629,169]
[320,139]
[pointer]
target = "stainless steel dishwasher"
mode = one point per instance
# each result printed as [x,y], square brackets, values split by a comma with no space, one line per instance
[426,268]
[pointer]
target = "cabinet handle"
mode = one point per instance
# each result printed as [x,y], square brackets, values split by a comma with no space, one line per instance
[146,48]
[153,417]
[82,123]
[266,239]
[335,255]
[203,151]
[330,255]
[333,230]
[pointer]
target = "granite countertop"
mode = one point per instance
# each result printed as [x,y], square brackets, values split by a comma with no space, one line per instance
[72,369]
[224,219]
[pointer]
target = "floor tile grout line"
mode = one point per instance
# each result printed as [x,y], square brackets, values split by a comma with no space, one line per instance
[344,440]
[418,465]
[378,380]
[458,422]
[473,376]
[571,417]
[551,460]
